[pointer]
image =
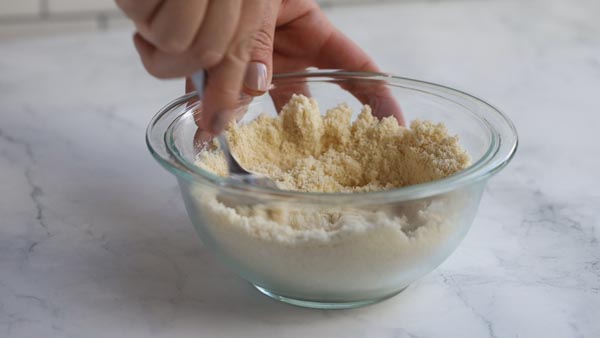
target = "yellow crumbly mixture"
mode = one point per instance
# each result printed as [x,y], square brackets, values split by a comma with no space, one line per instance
[305,151]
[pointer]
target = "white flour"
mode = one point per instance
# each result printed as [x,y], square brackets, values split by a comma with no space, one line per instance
[338,253]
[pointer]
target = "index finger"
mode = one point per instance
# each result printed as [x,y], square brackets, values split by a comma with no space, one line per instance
[339,52]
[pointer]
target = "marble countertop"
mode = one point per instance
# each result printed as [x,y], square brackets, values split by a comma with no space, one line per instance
[94,240]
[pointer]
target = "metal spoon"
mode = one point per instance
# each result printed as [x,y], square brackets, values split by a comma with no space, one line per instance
[236,171]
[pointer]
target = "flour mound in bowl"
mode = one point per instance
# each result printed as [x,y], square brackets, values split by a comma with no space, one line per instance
[303,150]
[323,249]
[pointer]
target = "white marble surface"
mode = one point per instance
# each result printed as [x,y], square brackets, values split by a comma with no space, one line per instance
[94,241]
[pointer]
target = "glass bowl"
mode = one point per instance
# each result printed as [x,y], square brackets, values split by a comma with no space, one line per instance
[362,247]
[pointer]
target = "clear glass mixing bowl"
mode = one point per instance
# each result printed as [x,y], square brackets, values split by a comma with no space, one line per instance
[364,247]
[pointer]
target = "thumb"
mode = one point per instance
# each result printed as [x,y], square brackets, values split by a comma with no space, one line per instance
[259,71]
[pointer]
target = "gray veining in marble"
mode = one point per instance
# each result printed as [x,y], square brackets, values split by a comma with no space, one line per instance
[94,241]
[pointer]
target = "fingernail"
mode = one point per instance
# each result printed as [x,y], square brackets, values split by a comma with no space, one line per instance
[256,77]
[219,122]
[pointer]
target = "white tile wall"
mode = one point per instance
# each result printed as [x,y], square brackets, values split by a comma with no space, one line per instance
[43,28]
[19,7]
[71,6]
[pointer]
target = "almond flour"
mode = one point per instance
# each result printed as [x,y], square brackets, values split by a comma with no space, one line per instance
[305,151]
[330,251]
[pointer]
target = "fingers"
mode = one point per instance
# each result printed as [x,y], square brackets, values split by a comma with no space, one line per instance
[282,92]
[339,52]
[223,91]
[217,31]
[187,44]
[281,96]
[231,39]
[189,85]
[202,136]
[244,68]
[260,69]
[175,24]
[202,140]
[139,10]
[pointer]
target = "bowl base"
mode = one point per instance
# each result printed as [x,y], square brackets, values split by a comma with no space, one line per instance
[325,305]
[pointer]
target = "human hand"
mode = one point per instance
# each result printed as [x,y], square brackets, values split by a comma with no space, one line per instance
[240,44]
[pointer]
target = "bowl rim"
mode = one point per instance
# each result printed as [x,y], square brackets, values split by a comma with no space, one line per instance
[503,145]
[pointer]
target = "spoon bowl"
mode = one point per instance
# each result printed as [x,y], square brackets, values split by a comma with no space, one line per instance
[237,172]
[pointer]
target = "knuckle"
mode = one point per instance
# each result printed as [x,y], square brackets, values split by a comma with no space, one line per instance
[207,52]
[237,55]
[209,57]
[262,40]
[239,52]
[168,42]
